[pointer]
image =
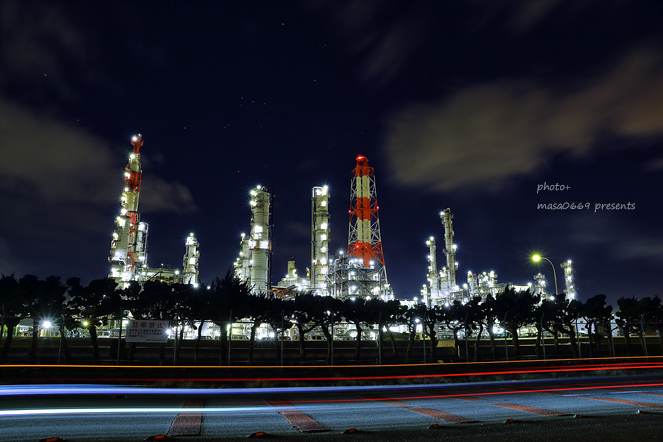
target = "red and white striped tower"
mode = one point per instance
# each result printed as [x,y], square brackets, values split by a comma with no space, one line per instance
[126,249]
[364,240]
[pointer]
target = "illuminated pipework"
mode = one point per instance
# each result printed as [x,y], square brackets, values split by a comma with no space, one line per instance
[540,284]
[243,260]
[569,282]
[190,261]
[472,282]
[260,240]
[433,275]
[141,248]
[449,251]
[320,240]
[125,249]
[487,283]
[292,282]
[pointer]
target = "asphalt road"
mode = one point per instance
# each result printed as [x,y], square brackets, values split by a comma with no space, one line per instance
[587,409]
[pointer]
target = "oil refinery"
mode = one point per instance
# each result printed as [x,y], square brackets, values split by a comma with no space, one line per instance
[357,271]
[442,288]
[128,253]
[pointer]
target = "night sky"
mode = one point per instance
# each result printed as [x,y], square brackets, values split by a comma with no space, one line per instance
[468,105]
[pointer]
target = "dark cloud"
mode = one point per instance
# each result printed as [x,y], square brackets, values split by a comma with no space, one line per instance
[522,16]
[39,48]
[622,242]
[54,163]
[383,34]
[484,134]
[656,164]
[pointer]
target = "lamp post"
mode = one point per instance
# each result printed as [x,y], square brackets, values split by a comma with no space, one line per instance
[537,258]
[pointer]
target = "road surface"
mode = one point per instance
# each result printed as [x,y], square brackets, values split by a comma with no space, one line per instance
[628,408]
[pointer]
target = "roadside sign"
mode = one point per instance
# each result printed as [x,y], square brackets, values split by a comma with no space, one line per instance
[147,330]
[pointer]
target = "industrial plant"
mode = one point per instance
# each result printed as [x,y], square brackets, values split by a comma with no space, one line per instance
[358,271]
[128,253]
[442,288]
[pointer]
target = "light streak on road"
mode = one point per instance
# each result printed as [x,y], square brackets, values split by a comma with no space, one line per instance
[130,410]
[606,366]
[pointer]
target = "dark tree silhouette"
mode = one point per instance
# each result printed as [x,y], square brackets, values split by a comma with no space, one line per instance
[596,314]
[518,309]
[627,316]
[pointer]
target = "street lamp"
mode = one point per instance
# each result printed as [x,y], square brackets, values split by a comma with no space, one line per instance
[537,258]
[46,324]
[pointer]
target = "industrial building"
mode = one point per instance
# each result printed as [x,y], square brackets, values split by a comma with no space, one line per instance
[254,264]
[442,289]
[357,271]
[128,252]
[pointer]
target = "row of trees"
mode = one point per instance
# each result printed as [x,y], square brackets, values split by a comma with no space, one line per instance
[228,300]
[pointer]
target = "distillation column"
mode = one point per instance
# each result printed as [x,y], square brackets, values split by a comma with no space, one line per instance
[242,262]
[449,251]
[260,241]
[126,248]
[320,240]
[190,261]
[540,284]
[569,284]
[433,275]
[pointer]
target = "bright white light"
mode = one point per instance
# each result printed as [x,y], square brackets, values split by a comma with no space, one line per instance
[47,324]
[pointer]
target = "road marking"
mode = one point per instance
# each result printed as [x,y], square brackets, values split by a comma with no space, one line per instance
[624,401]
[300,421]
[187,424]
[437,414]
[539,411]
